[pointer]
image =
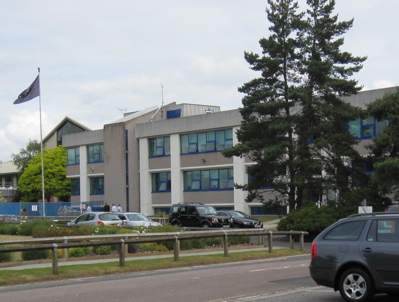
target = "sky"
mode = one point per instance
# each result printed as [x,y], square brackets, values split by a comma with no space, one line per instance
[99,59]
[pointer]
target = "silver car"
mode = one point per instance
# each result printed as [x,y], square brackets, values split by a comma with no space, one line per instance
[96,218]
[132,219]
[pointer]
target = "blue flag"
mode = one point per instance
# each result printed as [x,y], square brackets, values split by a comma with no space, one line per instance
[29,93]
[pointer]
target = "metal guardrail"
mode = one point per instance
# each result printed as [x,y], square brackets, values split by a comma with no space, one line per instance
[122,240]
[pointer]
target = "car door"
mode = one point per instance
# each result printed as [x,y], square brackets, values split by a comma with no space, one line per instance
[381,249]
[188,216]
[81,220]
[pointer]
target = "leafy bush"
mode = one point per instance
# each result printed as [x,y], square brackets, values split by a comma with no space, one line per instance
[102,250]
[9,229]
[310,219]
[35,255]
[147,247]
[26,228]
[6,257]
[234,240]
[79,251]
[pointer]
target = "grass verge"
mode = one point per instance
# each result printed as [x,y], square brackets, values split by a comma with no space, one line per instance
[12,277]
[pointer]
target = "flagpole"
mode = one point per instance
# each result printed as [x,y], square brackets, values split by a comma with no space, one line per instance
[41,151]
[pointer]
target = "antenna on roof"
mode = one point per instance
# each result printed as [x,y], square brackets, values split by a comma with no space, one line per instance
[122,109]
[162,100]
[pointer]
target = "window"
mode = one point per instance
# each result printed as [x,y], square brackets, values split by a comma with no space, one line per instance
[160,182]
[75,186]
[211,141]
[95,153]
[73,156]
[346,231]
[173,114]
[207,180]
[159,146]
[384,230]
[96,185]
[366,128]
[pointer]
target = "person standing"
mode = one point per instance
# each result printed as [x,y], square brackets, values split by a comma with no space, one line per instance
[106,207]
[120,208]
[114,208]
[88,208]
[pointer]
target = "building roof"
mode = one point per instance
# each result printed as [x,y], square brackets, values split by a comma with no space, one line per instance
[61,123]
[134,115]
[8,168]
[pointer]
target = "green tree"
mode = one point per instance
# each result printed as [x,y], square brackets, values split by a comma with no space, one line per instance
[55,181]
[385,147]
[293,118]
[24,157]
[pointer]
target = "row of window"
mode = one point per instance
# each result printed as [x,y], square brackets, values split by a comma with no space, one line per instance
[95,154]
[367,128]
[96,186]
[199,180]
[202,180]
[211,141]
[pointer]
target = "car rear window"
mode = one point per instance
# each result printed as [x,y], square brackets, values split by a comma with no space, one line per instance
[349,231]
[384,230]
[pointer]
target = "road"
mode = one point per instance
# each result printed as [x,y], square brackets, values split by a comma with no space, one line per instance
[277,280]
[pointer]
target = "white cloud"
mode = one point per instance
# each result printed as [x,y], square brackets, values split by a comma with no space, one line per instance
[97,57]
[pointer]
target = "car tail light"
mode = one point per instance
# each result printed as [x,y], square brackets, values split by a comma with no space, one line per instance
[314,250]
[100,222]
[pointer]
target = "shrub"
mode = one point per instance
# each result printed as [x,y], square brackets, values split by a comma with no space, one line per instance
[35,255]
[149,247]
[79,251]
[234,240]
[6,257]
[26,228]
[102,250]
[311,219]
[9,229]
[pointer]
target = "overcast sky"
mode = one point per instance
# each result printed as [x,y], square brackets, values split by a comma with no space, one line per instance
[99,58]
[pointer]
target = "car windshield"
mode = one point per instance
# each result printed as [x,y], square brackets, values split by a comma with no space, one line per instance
[137,217]
[206,210]
[108,217]
[238,214]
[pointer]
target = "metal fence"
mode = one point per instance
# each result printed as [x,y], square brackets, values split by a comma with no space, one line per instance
[35,209]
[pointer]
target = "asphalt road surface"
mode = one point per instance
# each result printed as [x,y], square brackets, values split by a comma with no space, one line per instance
[277,280]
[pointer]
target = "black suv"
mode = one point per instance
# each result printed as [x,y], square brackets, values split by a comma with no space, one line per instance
[196,215]
[359,256]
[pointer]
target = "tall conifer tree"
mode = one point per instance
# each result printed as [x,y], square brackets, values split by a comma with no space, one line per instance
[294,121]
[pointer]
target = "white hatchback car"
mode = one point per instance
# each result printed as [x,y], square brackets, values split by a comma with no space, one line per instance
[96,218]
[132,219]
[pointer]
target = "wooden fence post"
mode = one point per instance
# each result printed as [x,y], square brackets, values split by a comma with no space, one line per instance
[291,241]
[176,248]
[122,251]
[225,245]
[65,251]
[302,242]
[270,240]
[55,259]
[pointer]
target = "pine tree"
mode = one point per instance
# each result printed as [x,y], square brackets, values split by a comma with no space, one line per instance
[385,147]
[294,122]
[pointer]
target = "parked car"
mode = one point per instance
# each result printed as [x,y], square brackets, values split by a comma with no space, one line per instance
[196,215]
[359,256]
[241,220]
[132,219]
[96,218]
[394,208]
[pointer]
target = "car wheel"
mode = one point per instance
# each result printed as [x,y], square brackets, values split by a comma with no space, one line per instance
[236,225]
[176,224]
[355,284]
[205,225]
